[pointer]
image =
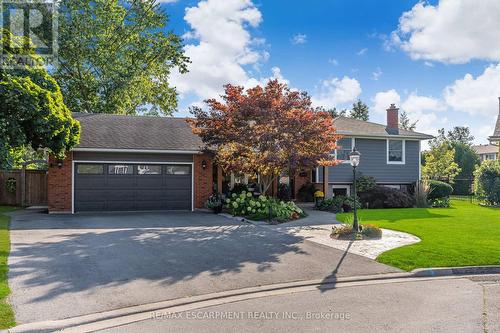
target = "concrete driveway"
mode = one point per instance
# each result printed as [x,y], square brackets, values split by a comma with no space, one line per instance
[65,266]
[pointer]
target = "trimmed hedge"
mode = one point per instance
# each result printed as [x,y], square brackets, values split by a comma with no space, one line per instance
[386,197]
[439,190]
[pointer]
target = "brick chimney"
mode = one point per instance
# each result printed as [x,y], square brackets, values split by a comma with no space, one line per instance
[393,119]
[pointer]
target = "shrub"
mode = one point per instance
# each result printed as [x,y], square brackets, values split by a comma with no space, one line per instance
[439,189]
[214,202]
[306,192]
[365,183]
[385,197]
[245,204]
[333,205]
[398,199]
[349,203]
[487,182]
[343,231]
[346,232]
[440,203]
[371,231]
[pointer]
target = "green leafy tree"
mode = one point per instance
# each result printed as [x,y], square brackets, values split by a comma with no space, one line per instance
[32,112]
[406,123]
[487,181]
[467,159]
[440,164]
[116,56]
[460,134]
[360,111]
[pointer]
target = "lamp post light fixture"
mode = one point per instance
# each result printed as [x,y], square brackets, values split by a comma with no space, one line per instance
[354,158]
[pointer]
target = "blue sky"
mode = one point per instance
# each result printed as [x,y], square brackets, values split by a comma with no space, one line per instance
[438,60]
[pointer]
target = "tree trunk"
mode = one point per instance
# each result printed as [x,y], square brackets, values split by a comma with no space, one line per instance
[266,182]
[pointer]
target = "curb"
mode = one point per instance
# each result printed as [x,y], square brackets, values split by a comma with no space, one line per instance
[119,317]
[450,271]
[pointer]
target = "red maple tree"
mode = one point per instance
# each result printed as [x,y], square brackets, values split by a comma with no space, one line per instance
[267,131]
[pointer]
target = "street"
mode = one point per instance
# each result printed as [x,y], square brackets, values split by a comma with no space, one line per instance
[438,305]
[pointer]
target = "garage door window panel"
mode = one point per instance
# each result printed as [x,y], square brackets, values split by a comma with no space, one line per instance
[147,170]
[121,169]
[90,169]
[178,170]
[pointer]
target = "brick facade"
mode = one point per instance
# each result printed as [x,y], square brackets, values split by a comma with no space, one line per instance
[203,180]
[59,185]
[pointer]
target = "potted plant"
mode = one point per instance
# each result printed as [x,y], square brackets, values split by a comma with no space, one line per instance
[215,203]
[319,196]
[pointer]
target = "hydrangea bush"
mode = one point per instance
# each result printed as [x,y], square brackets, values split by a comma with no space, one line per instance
[245,204]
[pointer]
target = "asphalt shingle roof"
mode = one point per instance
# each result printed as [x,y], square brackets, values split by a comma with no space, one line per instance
[136,132]
[356,127]
[485,149]
[105,131]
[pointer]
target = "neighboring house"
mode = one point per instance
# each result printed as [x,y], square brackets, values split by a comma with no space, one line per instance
[495,138]
[389,154]
[133,163]
[486,152]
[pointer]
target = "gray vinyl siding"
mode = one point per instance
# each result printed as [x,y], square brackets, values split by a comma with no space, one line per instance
[374,163]
[131,157]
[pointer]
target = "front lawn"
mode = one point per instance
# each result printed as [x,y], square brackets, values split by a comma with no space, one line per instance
[465,234]
[6,313]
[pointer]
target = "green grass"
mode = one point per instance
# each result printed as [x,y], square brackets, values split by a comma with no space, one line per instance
[465,234]
[6,314]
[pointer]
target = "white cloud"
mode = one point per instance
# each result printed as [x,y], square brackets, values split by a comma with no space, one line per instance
[276,71]
[453,31]
[333,61]
[362,51]
[335,92]
[299,39]
[224,45]
[476,96]
[384,99]
[376,75]
[419,108]
[415,104]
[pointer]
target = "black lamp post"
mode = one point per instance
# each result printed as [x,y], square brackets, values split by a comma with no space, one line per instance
[354,158]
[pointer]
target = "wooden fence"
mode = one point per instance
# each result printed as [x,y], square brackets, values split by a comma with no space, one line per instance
[35,187]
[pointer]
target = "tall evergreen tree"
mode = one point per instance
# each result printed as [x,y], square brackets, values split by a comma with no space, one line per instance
[360,111]
[406,123]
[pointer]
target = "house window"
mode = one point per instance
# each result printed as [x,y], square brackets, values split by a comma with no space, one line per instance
[344,148]
[341,190]
[121,169]
[178,169]
[395,151]
[149,169]
[90,169]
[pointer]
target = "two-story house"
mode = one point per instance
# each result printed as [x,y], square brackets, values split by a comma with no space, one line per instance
[486,152]
[389,154]
[131,163]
